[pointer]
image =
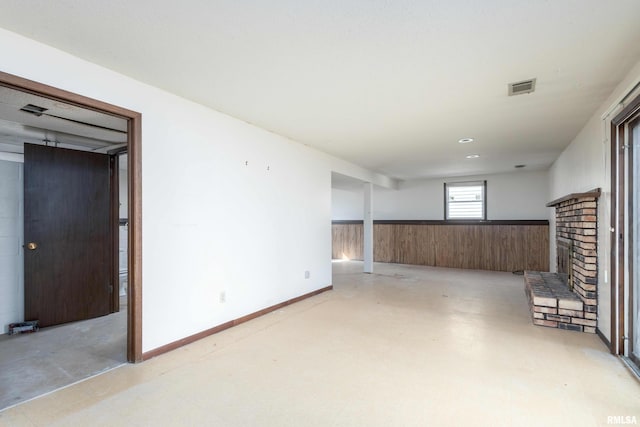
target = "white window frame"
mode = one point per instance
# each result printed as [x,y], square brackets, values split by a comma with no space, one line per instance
[448,185]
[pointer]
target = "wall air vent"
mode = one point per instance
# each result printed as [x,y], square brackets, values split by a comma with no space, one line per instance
[33,109]
[519,88]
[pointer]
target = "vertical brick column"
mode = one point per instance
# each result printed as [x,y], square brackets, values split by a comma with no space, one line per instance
[577,220]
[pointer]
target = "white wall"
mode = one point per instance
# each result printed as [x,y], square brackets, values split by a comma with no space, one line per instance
[347,204]
[11,253]
[212,223]
[517,195]
[583,166]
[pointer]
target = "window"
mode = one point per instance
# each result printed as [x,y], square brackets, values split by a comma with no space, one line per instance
[465,200]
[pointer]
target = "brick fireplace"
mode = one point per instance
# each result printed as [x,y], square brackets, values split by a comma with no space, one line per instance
[568,299]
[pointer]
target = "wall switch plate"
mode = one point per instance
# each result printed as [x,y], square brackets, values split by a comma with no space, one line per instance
[307,274]
[223,296]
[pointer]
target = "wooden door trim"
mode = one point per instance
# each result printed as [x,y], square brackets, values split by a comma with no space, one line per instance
[134,174]
[627,112]
[630,122]
[618,194]
[613,222]
[134,147]
[620,230]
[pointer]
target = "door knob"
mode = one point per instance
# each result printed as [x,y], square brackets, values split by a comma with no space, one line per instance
[32,246]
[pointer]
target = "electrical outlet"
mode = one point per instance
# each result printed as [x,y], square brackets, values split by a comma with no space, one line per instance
[223,296]
[307,274]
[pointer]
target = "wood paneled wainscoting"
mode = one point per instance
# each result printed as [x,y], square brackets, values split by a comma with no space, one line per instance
[487,245]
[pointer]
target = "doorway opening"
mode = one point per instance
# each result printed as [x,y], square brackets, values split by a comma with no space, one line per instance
[123,152]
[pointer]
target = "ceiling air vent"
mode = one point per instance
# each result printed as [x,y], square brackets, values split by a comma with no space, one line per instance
[519,88]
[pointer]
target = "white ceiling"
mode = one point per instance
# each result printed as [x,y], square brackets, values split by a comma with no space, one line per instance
[387,84]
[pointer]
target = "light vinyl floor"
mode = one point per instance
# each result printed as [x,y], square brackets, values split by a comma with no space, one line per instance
[407,346]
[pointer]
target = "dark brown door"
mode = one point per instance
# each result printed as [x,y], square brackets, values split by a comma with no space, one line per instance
[67,234]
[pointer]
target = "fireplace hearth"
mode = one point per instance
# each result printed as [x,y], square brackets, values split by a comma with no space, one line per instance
[567,299]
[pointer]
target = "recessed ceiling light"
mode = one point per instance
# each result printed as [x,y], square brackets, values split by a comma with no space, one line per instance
[465,140]
[473,156]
